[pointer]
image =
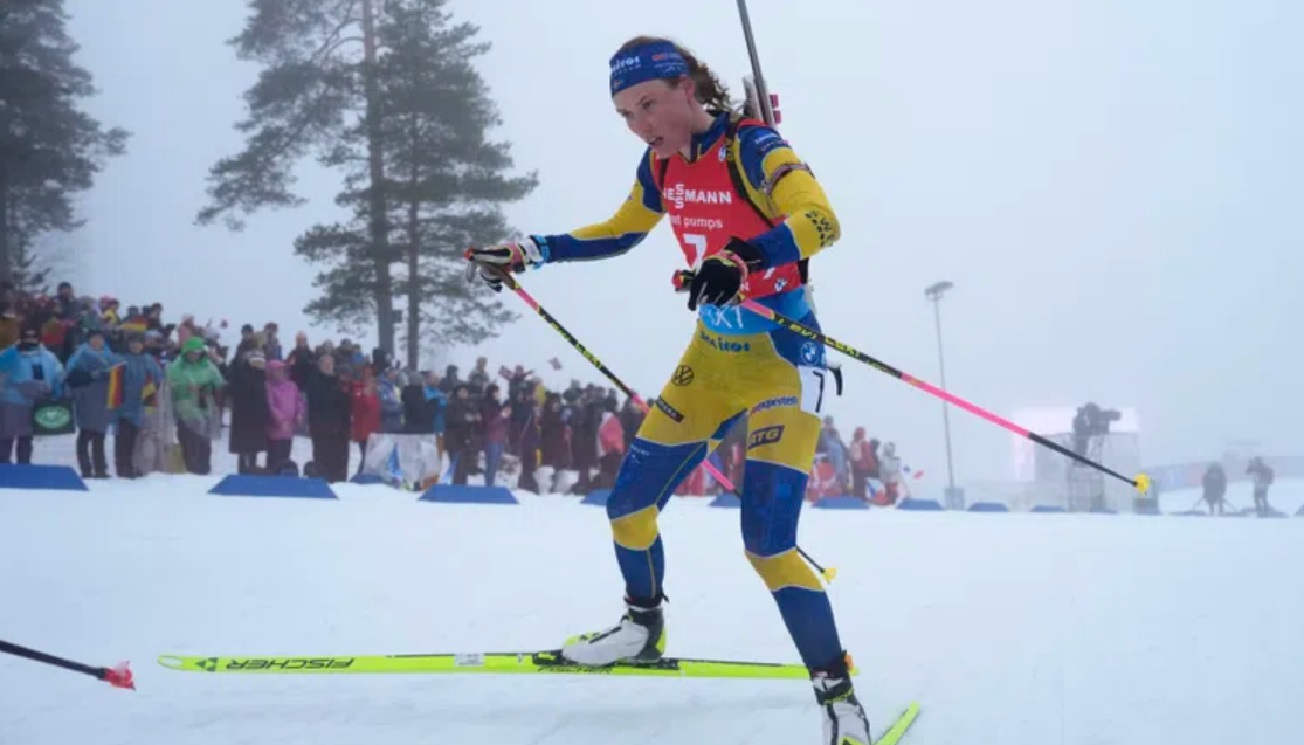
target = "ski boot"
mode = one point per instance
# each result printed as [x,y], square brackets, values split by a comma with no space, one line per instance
[639,637]
[845,722]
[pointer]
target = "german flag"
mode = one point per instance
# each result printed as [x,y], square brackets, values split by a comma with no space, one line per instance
[115,386]
[149,393]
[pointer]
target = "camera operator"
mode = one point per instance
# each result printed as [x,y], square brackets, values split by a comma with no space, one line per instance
[1091,420]
[1263,476]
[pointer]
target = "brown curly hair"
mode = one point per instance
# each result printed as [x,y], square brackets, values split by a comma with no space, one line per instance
[711,93]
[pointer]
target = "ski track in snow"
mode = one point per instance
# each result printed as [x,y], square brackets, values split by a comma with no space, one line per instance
[1010,629]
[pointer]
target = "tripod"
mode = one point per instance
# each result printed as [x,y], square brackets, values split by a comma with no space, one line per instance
[1086,486]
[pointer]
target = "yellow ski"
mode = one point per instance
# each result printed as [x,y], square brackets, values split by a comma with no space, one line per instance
[489,663]
[898,729]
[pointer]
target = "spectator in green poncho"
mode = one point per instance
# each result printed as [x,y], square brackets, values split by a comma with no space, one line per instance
[195,380]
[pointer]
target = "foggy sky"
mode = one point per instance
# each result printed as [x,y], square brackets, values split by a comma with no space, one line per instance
[1113,187]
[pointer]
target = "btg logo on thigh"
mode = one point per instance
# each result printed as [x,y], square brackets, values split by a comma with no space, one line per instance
[765,436]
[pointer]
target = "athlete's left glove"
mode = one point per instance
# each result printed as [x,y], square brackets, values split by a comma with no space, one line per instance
[720,278]
[513,256]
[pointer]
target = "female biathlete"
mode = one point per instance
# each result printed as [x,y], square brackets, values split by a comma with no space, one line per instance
[748,215]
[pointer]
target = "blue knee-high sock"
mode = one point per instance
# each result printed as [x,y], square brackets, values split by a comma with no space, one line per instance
[643,570]
[808,614]
[647,479]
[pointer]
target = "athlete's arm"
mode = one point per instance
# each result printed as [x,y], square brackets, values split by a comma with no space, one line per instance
[635,218]
[810,224]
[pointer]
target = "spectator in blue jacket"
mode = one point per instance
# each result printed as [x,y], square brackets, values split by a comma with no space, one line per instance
[88,381]
[29,374]
[141,378]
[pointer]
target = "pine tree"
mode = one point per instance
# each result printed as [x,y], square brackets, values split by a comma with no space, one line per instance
[29,271]
[50,150]
[391,100]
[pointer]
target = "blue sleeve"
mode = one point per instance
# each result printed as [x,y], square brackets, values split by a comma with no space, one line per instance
[754,144]
[9,361]
[56,373]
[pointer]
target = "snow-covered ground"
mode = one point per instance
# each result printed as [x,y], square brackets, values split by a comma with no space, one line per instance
[1011,629]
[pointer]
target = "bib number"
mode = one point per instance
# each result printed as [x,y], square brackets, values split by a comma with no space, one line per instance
[696,243]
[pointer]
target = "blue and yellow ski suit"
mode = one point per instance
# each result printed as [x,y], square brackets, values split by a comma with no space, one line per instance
[744,181]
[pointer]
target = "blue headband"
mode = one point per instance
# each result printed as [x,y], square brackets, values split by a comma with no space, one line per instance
[659,59]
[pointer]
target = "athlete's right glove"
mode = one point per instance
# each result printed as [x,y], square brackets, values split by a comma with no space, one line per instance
[513,256]
[721,277]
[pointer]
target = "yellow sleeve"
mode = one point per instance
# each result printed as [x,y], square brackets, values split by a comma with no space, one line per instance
[787,190]
[634,219]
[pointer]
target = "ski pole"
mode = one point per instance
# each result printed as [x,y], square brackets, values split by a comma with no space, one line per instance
[118,676]
[1141,482]
[828,574]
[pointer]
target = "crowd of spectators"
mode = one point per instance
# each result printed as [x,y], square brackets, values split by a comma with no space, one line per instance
[167,392]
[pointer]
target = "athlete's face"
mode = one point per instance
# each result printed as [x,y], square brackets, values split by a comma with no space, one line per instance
[660,114]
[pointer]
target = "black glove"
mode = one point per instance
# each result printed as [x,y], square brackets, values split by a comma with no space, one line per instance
[720,277]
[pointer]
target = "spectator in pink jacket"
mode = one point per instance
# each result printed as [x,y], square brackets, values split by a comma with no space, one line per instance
[285,411]
[611,448]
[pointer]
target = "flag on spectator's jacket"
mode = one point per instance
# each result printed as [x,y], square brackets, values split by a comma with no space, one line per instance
[116,393]
[149,393]
[115,386]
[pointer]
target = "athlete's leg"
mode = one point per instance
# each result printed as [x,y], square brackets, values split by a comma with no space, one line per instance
[652,469]
[693,409]
[780,449]
[783,429]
